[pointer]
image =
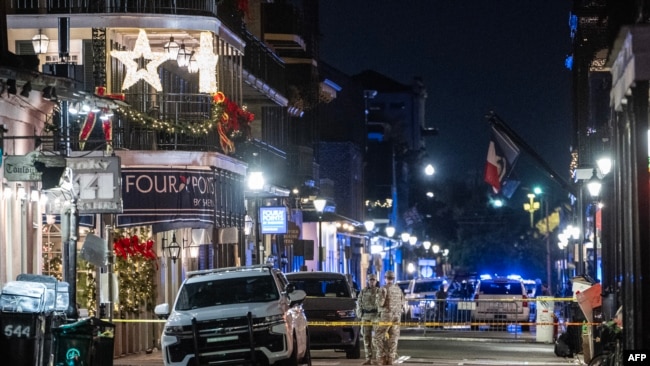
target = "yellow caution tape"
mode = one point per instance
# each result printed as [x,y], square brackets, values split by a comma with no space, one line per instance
[401,324]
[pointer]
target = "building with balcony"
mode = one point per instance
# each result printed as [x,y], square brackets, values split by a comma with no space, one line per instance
[187,99]
[610,71]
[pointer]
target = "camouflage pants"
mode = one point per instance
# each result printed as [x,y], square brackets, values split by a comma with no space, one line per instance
[386,336]
[366,334]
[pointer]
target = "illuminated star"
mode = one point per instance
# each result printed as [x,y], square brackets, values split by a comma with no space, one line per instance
[141,50]
[207,61]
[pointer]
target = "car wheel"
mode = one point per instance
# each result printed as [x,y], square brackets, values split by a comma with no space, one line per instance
[354,353]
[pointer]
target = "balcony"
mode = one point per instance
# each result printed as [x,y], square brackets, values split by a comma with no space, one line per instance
[185,7]
[264,71]
[283,30]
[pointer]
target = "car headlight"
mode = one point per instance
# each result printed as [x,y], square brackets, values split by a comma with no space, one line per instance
[173,330]
[344,314]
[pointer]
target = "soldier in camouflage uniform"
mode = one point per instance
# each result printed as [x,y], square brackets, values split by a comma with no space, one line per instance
[367,311]
[390,302]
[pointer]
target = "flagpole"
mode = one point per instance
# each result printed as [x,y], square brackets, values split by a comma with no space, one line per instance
[499,124]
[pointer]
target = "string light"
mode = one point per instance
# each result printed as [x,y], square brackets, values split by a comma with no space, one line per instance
[141,50]
[207,62]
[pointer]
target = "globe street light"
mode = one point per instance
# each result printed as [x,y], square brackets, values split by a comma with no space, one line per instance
[594,185]
[319,204]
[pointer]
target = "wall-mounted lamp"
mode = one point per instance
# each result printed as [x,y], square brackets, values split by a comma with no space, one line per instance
[40,43]
[35,196]
[194,249]
[173,249]
[21,194]
[248,225]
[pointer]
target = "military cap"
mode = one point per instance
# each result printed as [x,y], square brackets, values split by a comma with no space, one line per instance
[390,274]
[372,276]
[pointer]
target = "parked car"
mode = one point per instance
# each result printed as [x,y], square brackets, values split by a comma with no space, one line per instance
[330,298]
[421,297]
[217,312]
[500,300]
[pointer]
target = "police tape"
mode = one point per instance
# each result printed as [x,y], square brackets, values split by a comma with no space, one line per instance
[401,324]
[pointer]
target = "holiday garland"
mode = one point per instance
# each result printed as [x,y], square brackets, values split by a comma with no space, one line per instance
[135,265]
[226,117]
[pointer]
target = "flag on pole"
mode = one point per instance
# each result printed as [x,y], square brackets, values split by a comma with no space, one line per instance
[501,158]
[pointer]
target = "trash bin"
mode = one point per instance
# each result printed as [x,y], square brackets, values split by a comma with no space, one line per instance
[72,344]
[21,339]
[103,342]
[545,328]
[23,322]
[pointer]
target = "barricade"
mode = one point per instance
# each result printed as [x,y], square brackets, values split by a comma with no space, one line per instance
[512,316]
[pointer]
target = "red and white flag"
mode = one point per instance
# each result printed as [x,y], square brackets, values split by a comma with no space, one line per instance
[501,158]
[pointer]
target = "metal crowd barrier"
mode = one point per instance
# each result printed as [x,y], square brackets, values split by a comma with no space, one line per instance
[479,315]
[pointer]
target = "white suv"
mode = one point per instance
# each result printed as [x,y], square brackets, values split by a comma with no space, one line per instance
[500,301]
[421,297]
[235,316]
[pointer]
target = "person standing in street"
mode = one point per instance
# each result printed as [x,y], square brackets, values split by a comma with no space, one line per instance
[390,302]
[367,308]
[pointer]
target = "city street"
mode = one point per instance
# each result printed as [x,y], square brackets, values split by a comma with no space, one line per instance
[484,348]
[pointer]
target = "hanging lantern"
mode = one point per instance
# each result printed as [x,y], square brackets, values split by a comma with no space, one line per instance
[40,43]
[171,49]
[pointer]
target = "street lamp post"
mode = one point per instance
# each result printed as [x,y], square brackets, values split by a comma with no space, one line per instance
[594,185]
[531,207]
[390,231]
[256,184]
[319,204]
[538,191]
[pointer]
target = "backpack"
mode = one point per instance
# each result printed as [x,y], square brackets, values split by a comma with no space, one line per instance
[561,346]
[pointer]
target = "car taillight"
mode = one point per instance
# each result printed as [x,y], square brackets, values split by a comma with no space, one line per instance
[525,303]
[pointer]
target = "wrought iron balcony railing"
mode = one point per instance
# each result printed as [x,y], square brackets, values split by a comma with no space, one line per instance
[185,7]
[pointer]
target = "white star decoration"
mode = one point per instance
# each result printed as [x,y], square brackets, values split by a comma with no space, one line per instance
[207,61]
[153,59]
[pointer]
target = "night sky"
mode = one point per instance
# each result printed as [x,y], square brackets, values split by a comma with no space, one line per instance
[473,56]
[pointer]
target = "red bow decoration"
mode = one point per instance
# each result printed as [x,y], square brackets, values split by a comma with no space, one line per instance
[132,247]
[231,119]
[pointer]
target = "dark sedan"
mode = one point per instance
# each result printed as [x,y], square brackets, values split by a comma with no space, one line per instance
[330,298]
